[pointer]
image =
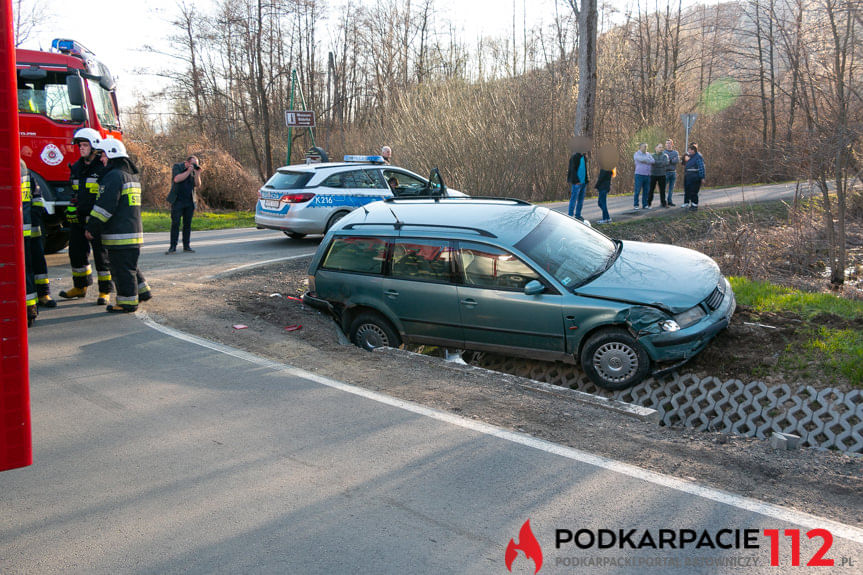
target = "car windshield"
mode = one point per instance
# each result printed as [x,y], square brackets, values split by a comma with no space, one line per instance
[570,251]
[288,180]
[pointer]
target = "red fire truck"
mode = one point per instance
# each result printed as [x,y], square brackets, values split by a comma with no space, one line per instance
[60,92]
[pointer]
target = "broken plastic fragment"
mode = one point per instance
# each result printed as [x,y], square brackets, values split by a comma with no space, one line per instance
[294,327]
[294,298]
[275,295]
[240,326]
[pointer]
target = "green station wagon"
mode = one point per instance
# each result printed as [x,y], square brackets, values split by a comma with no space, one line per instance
[509,277]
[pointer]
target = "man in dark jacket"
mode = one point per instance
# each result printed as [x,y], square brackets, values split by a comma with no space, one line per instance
[657,175]
[116,218]
[84,175]
[576,176]
[185,177]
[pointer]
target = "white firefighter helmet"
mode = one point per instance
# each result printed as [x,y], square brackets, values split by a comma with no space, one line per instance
[87,135]
[112,148]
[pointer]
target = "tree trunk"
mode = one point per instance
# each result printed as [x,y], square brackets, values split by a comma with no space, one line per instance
[585,109]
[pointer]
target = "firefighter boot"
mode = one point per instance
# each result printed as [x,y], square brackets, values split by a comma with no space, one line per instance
[121,308]
[32,312]
[75,292]
[46,301]
[103,298]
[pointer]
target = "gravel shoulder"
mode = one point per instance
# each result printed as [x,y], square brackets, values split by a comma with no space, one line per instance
[823,483]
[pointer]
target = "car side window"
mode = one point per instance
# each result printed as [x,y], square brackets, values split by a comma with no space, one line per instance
[489,267]
[356,254]
[358,179]
[406,185]
[334,181]
[377,179]
[425,260]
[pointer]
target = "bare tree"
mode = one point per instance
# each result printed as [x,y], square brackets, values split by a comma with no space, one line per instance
[30,16]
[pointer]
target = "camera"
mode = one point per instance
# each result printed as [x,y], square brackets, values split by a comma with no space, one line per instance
[196,166]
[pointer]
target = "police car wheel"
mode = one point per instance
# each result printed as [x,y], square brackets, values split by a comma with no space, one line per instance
[369,331]
[295,235]
[335,218]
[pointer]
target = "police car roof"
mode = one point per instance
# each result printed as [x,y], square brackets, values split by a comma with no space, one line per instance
[323,166]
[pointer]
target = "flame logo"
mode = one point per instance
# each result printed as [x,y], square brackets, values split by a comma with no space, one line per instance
[527,544]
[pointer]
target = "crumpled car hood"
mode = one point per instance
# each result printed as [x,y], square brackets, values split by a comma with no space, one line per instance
[662,275]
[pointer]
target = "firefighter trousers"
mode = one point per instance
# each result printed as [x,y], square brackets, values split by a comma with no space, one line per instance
[128,279]
[79,257]
[29,281]
[37,254]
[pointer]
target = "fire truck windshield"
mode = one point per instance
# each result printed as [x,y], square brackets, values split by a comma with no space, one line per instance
[103,104]
[46,96]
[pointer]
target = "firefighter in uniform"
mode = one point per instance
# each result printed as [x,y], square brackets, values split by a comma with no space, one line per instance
[85,186]
[116,219]
[30,292]
[37,248]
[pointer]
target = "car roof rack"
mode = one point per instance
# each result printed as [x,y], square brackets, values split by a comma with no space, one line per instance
[400,225]
[459,198]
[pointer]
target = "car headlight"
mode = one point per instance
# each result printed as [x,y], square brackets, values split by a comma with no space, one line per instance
[669,325]
[690,316]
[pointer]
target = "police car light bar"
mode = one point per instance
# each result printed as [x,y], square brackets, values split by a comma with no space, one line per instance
[365,159]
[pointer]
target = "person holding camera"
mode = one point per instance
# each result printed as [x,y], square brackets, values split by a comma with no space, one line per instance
[186,176]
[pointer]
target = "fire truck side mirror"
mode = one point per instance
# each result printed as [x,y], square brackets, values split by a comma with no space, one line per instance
[78,115]
[106,80]
[75,87]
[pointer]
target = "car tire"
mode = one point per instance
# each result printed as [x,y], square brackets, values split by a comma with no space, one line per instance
[370,330]
[334,219]
[295,235]
[614,360]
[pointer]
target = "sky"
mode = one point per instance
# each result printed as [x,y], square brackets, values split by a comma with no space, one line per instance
[118,31]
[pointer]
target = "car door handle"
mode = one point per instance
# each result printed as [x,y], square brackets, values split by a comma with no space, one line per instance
[469,302]
[391,293]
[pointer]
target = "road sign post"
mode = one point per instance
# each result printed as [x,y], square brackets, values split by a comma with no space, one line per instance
[688,122]
[298,118]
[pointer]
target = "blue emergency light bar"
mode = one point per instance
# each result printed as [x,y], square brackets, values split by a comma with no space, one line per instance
[365,159]
[66,46]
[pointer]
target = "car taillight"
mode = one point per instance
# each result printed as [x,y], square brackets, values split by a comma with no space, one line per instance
[297,198]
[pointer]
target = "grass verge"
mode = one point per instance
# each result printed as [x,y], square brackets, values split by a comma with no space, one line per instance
[160,220]
[829,333]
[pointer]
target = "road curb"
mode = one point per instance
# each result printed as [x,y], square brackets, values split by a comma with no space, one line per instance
[638,412]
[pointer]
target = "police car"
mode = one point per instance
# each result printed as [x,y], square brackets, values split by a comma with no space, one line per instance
[305,199]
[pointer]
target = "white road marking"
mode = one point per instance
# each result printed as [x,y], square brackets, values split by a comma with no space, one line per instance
[783,514]
[196,242]
[257,264]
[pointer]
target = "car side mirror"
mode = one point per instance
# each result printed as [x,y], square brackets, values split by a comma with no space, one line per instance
[534,287]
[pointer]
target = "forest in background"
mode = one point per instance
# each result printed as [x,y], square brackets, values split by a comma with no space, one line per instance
[776,84]
[773,82]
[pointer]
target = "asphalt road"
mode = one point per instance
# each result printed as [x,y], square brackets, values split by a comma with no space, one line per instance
[156,452]
[620,207]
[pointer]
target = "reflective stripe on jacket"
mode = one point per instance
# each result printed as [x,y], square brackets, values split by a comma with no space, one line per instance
[116,217]
[26,198]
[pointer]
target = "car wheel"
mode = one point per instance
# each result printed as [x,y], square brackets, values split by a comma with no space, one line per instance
[614,360]
[295,235]
[370,330]
[333,219]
